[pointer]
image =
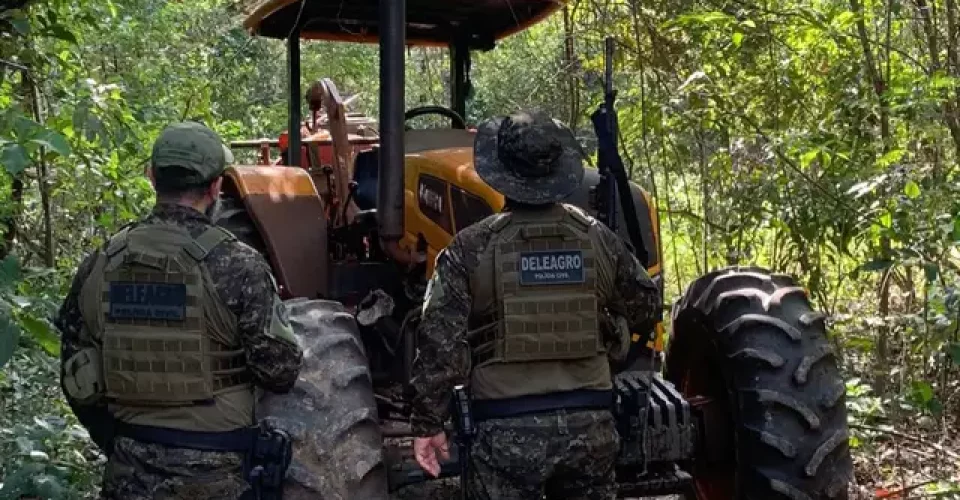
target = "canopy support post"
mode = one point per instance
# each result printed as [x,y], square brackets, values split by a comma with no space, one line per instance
[293,69]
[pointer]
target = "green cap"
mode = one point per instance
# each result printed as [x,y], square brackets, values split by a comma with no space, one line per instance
[192,147]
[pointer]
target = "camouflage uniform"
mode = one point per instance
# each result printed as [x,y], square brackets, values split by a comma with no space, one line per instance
[563,454]
[137,470]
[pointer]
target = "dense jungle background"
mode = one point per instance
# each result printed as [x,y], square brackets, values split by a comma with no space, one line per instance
[814,137]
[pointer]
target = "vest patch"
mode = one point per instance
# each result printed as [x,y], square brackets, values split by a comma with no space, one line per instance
[166,301]
[556,267]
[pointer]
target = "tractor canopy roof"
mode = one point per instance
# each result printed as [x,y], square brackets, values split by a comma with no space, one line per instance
[479,23]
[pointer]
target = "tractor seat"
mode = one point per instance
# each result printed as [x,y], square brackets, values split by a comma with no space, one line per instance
[366,167]
[366,171]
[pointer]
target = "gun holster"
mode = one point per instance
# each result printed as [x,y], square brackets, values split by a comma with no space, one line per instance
[267,463]
[466,431]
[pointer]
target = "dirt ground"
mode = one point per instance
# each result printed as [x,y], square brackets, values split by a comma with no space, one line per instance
[893,464]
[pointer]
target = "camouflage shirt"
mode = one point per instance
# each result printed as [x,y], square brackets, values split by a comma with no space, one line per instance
[244,282]
[443,357]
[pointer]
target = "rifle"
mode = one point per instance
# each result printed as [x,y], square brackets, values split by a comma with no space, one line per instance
[613,176]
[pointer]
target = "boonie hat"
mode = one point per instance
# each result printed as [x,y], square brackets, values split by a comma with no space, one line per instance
[528,157]
[194,148]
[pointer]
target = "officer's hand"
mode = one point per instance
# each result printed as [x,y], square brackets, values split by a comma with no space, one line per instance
[425,449]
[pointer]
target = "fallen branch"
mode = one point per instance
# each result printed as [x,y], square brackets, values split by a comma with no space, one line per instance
[916,439]
[897,493]
[14,65]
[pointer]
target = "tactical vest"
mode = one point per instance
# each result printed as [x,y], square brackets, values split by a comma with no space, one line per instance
[535,316]
[170,353]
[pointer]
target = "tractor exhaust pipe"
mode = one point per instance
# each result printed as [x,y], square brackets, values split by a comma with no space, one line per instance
[390,192]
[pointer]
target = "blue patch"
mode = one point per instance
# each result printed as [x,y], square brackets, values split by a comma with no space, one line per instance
[555,267]
[148,301]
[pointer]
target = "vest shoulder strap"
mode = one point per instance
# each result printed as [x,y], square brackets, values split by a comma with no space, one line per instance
[502,220]
[210,239]
[579,217]
[118,242]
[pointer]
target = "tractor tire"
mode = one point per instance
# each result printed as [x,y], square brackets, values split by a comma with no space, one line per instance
[330,413]
[233,217]
[749,341]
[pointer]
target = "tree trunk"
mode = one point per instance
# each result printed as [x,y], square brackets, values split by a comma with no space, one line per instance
[10,222]
[569,57]
[43,186]
[873,72]
[950,116]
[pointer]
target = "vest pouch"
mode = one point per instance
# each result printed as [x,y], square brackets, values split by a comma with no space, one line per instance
[83,377]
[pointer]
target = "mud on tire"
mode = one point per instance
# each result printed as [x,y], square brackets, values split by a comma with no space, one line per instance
[750,340]
[331,413]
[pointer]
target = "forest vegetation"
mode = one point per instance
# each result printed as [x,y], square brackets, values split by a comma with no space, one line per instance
[819,138]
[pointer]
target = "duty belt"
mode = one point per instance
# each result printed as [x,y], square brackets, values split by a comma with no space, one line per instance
[267,453]
[240,440]
[581,399]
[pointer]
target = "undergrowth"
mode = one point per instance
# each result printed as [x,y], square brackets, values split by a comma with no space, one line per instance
[44,452]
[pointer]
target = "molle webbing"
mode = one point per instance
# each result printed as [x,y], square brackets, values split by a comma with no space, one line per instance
[546,292]
[156,347]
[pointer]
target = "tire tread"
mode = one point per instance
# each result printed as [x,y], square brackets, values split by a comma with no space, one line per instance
[782,374]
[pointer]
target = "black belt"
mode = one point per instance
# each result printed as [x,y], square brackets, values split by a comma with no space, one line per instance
[581,399]
[239,440]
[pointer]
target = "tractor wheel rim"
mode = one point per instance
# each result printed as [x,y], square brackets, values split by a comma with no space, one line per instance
[712,481]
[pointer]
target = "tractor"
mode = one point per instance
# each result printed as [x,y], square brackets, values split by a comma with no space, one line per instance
[744,401]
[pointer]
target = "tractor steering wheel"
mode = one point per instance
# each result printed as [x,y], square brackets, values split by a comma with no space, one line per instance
[456,120]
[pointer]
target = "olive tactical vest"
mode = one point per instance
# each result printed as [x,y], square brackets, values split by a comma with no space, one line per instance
[171,356]
[535,315]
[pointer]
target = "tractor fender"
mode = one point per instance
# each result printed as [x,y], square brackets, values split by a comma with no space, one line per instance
[287,217]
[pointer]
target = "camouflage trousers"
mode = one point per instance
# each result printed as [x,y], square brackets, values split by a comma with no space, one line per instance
[568,455]
[141,471]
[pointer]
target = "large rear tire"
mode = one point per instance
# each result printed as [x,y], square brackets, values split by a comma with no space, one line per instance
[749,341]
[233,217]
[331,413]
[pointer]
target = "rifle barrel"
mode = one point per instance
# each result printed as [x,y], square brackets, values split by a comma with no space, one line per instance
[608,65]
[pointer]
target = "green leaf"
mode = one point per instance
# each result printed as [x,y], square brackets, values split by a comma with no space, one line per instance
[53,141]
[14,159]
[737,39]
[912,190]
[935,407]
[922,392]
[59,31]
[941,81]
[876,265]
[808,158]
[702,18]
[25,127]
[931,270]
[714,17]
[21,24]
[9,271]
[42,332]
[954,350]
[854,442]
[844,20]
[886,220]
[891,157]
